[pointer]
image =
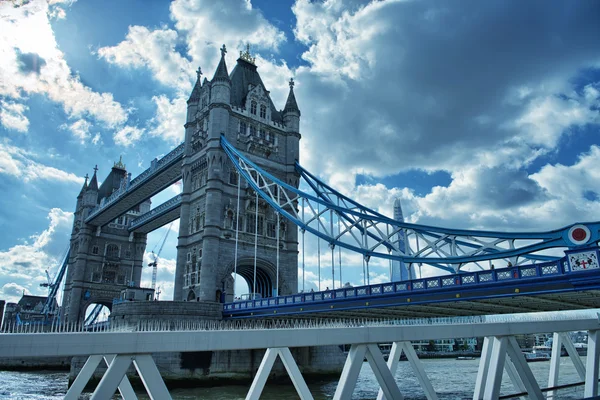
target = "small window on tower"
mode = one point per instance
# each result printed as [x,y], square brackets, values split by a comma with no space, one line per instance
[263,111]
[253,107]
[95,250]
[242,127]
[233,177]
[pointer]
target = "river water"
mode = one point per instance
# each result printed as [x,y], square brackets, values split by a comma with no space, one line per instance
[452,379]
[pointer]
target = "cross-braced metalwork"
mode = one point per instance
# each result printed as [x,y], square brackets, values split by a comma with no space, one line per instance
[344,222]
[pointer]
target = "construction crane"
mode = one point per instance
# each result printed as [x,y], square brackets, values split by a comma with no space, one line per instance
[53,287]
[48,284]
[154,263]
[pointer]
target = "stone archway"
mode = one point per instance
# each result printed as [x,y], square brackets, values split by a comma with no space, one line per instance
[265,275]
[191,296]
[102,308]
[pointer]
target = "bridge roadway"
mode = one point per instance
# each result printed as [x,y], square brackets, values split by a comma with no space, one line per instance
[528,288]
[161,174]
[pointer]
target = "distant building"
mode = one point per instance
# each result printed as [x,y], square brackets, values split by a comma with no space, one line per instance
[400,271]
[2,303]
[28,310]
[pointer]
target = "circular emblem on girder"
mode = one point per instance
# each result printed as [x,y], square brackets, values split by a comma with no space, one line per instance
[579,234]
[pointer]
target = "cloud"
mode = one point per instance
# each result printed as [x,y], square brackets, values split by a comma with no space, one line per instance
[156,51]
[23,265]
[21,164]
[29,54]
[29,62]
[169,119]
[234,22]
[395,91]
[128,135]
[80,129]
[12,116]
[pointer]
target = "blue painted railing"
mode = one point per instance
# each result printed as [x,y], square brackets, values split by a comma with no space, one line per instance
[424,285]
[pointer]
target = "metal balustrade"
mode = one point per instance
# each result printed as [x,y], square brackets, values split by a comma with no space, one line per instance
[471,279]
[155,212]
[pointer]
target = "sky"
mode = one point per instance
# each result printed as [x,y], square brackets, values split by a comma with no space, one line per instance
[477,114]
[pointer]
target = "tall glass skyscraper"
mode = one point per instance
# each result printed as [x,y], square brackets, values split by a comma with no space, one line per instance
[400,271]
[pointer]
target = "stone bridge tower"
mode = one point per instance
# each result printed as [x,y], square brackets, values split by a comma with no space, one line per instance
[238,106]
[103,260]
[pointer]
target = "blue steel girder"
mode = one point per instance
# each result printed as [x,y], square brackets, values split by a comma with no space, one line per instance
[326,193]
[161,174]
[373,235]
[157,217]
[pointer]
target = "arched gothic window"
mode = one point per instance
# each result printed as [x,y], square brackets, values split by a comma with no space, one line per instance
[112,251]
[233,177]
[243,127]
[253,107]
[230,220]
[263,111]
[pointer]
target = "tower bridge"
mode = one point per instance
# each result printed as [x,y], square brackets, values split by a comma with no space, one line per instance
[247,205]
[245,209]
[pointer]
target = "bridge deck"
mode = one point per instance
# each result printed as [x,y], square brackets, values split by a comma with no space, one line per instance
[530,288]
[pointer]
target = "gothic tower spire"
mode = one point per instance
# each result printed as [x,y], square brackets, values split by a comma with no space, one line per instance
[221,72]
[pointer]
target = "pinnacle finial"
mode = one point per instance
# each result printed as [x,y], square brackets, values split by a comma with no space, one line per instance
[95,169]
[86,178]
[119,164]
[223,51]
[292,83]
[199,73]
[245,55]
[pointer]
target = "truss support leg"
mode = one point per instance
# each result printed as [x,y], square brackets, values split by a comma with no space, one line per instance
[258,384]
[573,355]
[419,371]
[520,364]
[352,367]
[555,362]
[511,370]
[495,368]
[125,387]
[150,376]
[482,372]
[112,378]
[382,373]
[292,368]
[592,361]
[415,363]
[83,377]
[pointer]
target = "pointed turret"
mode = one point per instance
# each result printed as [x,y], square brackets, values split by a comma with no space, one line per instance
[84,187]
[221,72]
[90,195]
[195,96]
[94,182]
[290,104]
[291,112]
[221,83]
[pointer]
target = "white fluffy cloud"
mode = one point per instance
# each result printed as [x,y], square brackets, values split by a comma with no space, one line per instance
[155,50]
[23,265]
[128,135]
[80,129]
[21,164]
[30,55]
[169,118]
[12,116]
[234,22]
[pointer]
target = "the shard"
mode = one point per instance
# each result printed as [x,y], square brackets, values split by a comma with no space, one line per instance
[400,271]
